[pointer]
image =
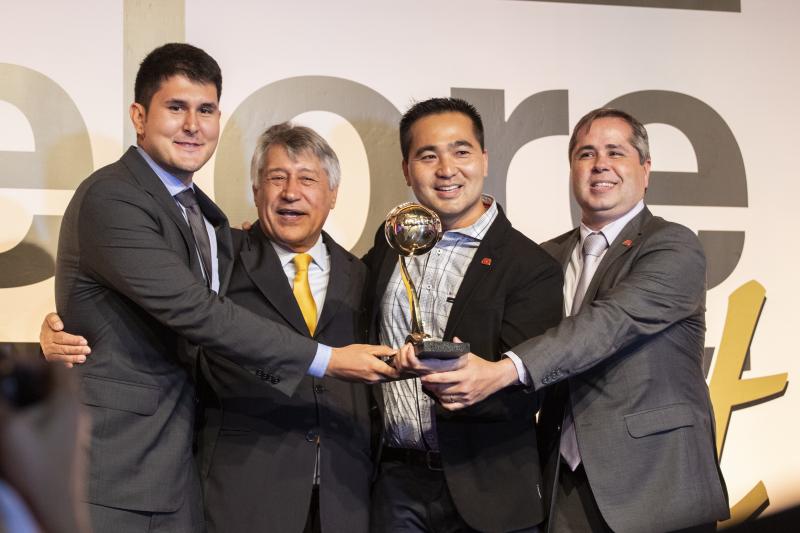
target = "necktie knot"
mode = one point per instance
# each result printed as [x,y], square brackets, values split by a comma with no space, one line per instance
[594,244]
[301,262]
[187,198]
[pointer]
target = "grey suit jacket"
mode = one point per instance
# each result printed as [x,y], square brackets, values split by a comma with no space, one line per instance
[632,361]
[128,279]
[259,445]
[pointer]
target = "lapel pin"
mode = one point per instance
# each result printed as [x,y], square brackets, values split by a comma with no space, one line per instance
[627,243]
[486,261]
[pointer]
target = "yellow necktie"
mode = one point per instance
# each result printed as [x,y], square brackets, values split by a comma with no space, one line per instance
[302,291]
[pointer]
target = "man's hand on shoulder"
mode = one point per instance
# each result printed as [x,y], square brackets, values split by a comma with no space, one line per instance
[361,363]
[59,346]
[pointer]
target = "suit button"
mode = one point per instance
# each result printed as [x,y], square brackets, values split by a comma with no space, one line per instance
[319,389]
[312,435]
[274,380]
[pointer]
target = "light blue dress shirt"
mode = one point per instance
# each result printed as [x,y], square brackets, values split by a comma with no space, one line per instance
[176,186]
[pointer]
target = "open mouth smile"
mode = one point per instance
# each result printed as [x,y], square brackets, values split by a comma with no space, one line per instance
[290,214]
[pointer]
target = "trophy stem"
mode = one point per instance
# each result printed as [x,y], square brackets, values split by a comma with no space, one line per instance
[416,319]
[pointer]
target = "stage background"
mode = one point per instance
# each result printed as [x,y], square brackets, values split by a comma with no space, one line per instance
[716,81]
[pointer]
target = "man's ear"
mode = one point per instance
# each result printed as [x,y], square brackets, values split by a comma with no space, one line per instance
[405,172]
[335,196]
[646,174]
[138,117]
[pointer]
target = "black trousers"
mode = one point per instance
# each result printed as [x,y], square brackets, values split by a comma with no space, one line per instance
[413,498]
[313,523]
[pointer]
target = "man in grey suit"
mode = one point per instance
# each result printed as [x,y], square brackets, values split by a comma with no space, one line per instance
[622,373]
[143,257]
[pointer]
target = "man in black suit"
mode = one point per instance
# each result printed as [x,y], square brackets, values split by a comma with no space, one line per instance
[143,255]
[486,284]
[626,424]
[299,463]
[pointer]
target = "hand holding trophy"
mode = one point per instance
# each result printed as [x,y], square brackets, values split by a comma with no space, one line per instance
[412,229]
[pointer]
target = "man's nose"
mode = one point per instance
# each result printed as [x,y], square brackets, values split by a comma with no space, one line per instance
[446,167]
[190,122]
[600,164]
[291,190]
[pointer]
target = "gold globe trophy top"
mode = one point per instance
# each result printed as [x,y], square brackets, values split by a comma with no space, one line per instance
[412,229]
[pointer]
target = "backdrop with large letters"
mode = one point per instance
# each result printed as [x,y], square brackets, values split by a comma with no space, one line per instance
[715,81]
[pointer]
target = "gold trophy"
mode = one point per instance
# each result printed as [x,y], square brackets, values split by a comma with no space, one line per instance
[413,229]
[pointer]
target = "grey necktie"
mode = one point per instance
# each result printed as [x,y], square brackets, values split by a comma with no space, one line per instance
[593,246]
[198,226]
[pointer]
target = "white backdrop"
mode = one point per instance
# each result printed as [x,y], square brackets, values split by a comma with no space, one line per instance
[743,65]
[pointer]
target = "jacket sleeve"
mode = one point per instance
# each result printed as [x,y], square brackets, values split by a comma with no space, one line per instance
[664,284]
[123,248]
[531,304]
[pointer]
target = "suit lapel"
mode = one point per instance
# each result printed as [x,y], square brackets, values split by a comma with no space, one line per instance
[151,183]
[486,257]
[626,241]
[259,259]
[563,254]
[339,283]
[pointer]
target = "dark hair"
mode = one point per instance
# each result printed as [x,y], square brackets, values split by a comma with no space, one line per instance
[170,60]
[436,106]
[638,138]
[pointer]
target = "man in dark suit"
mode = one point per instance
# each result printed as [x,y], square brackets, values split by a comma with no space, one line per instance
[143,255]
[626,424]
[299,463]
[487,284]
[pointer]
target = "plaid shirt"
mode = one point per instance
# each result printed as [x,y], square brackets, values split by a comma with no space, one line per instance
[409,420]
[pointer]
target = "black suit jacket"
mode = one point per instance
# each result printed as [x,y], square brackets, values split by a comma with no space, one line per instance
[259,445]
[512,289]
[128,279]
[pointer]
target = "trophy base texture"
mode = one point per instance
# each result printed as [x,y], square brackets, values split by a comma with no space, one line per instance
[432,349]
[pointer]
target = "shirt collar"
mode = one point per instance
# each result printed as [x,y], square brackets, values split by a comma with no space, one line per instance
[477,230]
[613,229]
[173,184]
[317,252]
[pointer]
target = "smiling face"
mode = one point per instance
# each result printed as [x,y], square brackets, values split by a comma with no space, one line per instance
[446,168]
[608,179]
[293,198]
[180,127]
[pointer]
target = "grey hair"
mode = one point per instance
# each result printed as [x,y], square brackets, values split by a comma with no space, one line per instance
[296,140]
[638,139]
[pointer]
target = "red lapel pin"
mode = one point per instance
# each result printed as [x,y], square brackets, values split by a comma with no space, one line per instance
[486,261]
[627,242]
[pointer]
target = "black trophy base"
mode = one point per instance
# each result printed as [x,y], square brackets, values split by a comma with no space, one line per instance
[431,349]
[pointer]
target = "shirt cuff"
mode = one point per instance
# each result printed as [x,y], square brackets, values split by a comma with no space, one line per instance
[320,362]
[522,372]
